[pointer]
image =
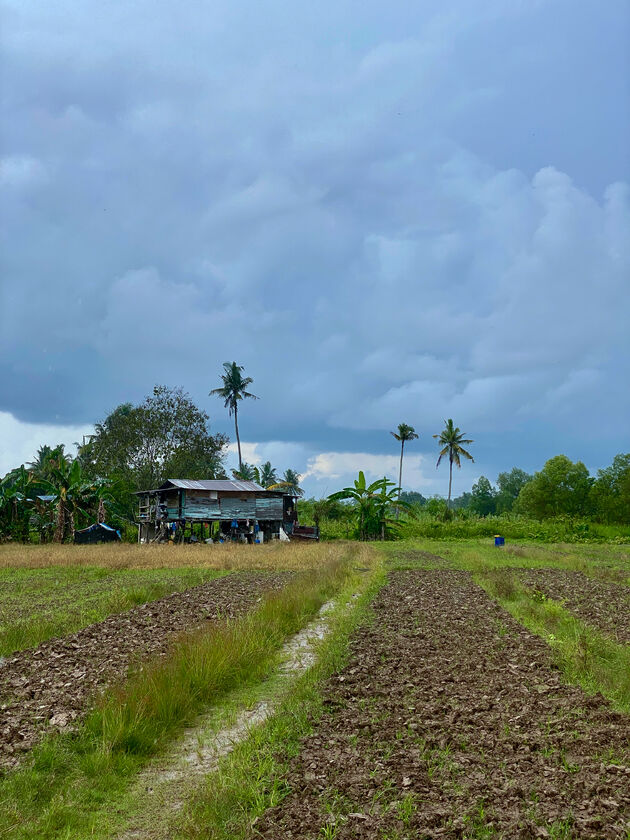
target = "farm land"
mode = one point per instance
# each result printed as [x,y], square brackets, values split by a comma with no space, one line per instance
[459,690]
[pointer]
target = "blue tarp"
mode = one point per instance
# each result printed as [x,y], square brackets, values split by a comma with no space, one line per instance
[99,532]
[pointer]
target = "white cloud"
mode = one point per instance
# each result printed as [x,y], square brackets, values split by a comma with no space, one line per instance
[20,441]
[335,465]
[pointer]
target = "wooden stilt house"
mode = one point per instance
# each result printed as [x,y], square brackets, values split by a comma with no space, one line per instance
[191,509]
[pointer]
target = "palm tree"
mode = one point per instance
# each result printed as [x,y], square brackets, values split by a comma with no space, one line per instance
[246,473]
[403,434]
[15,504]
[234,389]
[451,439]
[267,475]
[46,460]
[290,484]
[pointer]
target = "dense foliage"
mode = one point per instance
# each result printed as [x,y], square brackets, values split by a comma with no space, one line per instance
[51,498]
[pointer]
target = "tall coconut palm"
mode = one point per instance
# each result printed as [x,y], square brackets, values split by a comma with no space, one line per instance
[290,483]
[403,434]
[451,440]
[232,391]
[267,475]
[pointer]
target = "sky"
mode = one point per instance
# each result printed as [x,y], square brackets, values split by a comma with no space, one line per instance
[386,212]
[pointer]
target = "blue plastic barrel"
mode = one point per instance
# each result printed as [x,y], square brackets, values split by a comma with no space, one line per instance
[499,540]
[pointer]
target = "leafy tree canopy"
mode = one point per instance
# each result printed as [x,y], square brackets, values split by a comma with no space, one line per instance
[510,485]
[412,497]
[611,491]
[560,488]
[164,436]
[483,499]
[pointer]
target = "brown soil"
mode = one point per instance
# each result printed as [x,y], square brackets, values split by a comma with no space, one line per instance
[604,605]
[422,559]
[53,685]
[450,721]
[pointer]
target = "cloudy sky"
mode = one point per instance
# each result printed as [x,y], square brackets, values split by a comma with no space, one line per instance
[387,212]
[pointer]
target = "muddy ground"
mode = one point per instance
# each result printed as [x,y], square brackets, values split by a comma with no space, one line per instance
[451,721]
[53,685]
[604,605]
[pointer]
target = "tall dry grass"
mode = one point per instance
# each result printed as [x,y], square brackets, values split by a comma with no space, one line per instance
[275,555]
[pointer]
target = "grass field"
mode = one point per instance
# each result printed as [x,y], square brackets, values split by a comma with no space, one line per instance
[464,689]
[227,556]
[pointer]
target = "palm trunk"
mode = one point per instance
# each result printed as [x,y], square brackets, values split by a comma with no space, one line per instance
[238,440]
[402,449]
[101,511]
[450,480]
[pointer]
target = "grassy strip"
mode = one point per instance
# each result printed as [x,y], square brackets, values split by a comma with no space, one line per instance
[585,655]
[252,778]
[91,608]
[69,778]
[609,563]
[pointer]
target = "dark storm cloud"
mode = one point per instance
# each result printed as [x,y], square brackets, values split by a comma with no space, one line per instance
[366,206]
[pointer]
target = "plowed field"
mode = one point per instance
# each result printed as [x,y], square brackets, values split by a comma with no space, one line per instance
[604,605]
[51,686]
[451,721]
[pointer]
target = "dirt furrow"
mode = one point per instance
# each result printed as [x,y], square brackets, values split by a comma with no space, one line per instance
[451,721]
[53,685]
[604,605]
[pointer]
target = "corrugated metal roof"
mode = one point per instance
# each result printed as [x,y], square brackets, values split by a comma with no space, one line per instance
[214,484]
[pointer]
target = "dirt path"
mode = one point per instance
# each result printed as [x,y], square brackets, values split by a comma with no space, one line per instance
[168,782]
[53,685]
[604,605]
[450,721]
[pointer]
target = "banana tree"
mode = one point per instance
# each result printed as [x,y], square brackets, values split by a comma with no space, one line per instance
[15,504]
[75,496]
[373,503]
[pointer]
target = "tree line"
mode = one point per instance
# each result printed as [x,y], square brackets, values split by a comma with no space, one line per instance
[561,488]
